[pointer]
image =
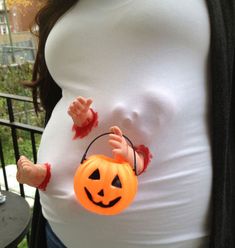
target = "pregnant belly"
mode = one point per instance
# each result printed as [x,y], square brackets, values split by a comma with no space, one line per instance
[173,197]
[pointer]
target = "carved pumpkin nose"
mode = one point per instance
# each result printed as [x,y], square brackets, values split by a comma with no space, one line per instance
[101,193]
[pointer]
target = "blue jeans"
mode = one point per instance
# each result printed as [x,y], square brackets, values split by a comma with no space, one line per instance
[52,240]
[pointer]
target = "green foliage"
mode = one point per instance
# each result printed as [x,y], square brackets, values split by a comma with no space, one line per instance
[11,78]
[23,244]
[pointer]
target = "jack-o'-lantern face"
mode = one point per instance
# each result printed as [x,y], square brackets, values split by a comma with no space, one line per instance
[105,186]
[116,183]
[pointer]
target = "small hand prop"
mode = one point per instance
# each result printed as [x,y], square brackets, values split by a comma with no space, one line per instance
[80,111]
[122,151]
[84,117]
[29,173]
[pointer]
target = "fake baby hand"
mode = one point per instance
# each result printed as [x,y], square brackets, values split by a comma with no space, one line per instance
[123,151]
[80,111]
[31,174]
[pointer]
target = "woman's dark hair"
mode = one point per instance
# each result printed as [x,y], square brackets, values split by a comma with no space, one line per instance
[43,85]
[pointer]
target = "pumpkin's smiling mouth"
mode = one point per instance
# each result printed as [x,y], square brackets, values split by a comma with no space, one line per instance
[100,204]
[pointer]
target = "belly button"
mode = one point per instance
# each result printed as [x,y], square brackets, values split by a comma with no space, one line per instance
[127,122]
[135,114]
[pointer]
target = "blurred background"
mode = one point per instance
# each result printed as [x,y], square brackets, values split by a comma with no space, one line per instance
[20,127]
[18,48]
[17,44]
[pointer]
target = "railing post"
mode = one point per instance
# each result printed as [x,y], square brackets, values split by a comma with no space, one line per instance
[33,143]
[14,137]
[3,166]
[14,126]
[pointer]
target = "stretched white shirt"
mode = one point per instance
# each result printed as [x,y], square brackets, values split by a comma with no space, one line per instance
[145,65]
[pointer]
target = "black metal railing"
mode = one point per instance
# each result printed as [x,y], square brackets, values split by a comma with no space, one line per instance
[14,126]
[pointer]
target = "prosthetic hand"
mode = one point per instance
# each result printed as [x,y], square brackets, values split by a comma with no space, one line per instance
[32,174]
[123,151]
[84,118]
[80,111]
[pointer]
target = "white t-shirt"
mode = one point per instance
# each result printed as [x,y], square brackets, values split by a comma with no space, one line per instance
[145,65]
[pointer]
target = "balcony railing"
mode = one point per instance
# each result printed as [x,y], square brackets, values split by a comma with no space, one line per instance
[9,122]
[14,127]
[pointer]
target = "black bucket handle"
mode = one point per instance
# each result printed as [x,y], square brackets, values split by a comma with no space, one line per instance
[85,154]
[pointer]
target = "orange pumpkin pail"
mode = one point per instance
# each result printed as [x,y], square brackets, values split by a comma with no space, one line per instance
[104,185]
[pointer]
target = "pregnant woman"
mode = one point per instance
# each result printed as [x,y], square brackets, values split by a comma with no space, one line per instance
[145,64]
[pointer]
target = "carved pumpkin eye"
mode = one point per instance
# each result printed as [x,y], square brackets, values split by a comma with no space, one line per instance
[95,175]
[116,182]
